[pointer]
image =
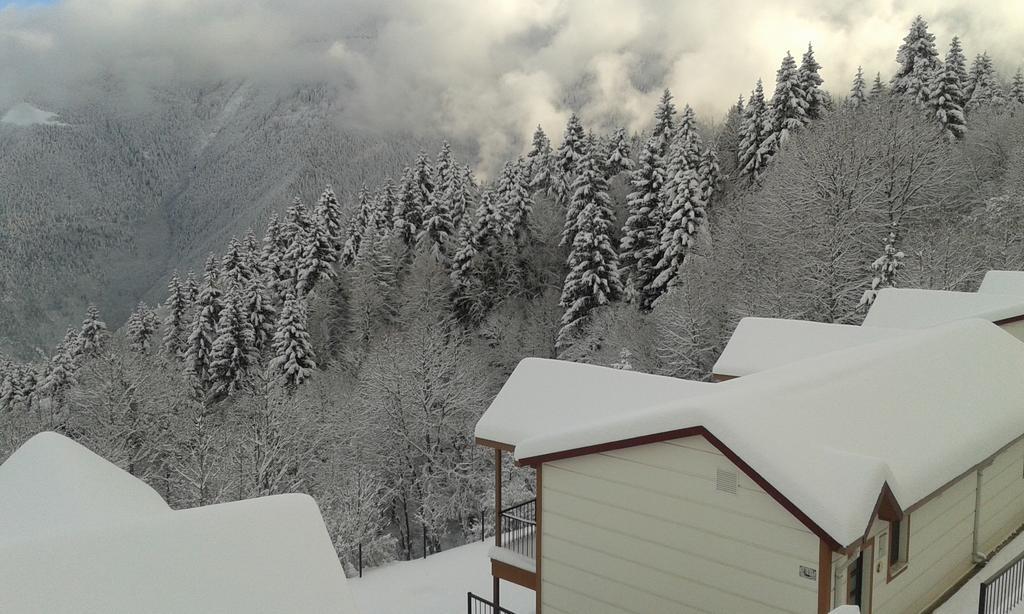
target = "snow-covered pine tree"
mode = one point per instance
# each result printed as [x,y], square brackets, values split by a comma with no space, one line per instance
[357,227]
[788,109]
[140,328]
[328,212]
[878,87]
[176,323]
[573,206]
[752,134]
[384,216]
[260,312]
[539,162]
[946,99]
[641,235]
[810,86]
[513,202]
[684,216]
[293,361]
[985,88]
[857,93]
[191,287]
[567,159]
[460,197]
[955,57]
[886,268]
[490,227]
[664,121]
[208,305]
[272,257]
[1017,87]
[444,170]
[93,336]
[618,158]
[311,258]
[593,278]
[438,231]
[233,266]
[710,175]
[61,369]
[251,254]
[233,352]
[407,217]
[919,61]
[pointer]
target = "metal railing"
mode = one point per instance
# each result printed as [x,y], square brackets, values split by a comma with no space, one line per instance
[518,528]
[1004,590]
[478,605]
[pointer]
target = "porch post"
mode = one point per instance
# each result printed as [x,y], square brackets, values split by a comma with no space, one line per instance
[496,597]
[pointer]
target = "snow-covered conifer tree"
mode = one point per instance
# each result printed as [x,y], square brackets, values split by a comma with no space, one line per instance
[618,159]
[567,159]
[857,93]
[93,335]
[408,216]
[946,99]
[539,162]
[438,230]
[199,352]
[1017,87]
[664,121]
[985,88]
[233,352]
[357,227]
[191,287]
[260,313]
[176,323]
[919,61]
[293,360]
[272,256]
[788,109]
[233,266]
[683,218]
[310,258]
[514,204]
[593,278]
[878,87]
[460,197]
[810,86]
[752,135]
[641,235]
[444,170]
[328,212]
[60,370]
[886,268]
[490,224]
[384,217]
[141,327]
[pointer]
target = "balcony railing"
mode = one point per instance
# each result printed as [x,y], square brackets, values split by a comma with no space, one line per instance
[518,528]
[1004,590]
[478,605]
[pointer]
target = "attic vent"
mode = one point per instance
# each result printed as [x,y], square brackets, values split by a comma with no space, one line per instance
[726,481]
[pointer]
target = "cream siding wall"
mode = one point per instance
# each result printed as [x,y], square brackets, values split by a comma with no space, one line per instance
[1014,328]
[644,529]
[939,554]
[1002,498]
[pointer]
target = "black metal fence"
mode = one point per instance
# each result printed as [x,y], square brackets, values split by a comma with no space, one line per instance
[1004,590]
[518,528]
[478,605]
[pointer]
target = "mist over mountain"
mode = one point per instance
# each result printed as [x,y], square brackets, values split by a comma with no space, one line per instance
[102,199]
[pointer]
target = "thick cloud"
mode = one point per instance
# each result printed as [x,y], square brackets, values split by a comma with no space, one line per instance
[483,70]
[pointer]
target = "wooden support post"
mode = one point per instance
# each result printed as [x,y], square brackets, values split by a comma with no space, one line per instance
[497,497]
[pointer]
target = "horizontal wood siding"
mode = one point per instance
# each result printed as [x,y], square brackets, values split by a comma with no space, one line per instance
[1002,497]
[941,533]
[644,529]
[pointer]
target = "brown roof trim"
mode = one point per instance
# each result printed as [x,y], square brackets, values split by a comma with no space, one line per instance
[497,445]
[721,377]
[1010,320]
[690,432]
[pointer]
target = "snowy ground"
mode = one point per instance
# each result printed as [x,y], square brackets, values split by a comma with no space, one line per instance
[436,585]
[965,601]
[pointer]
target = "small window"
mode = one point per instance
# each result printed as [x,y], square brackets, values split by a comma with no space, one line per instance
[899,542]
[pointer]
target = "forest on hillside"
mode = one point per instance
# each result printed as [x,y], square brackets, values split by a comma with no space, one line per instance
[347,350]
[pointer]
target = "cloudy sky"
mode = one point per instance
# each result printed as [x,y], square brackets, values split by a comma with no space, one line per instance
[483,69]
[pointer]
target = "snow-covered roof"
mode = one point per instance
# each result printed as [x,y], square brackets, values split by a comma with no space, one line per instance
[543,396]
[265,555]
[51,484]
[828,432]
[763,343]
[915,308]
[1003,282]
